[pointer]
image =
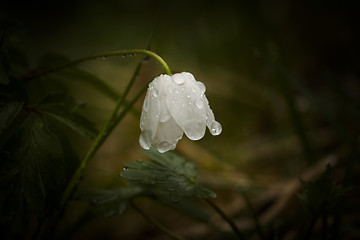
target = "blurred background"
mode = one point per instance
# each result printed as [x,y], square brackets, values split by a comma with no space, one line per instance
[282,78]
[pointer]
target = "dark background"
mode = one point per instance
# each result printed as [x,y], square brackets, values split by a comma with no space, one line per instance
[282,78]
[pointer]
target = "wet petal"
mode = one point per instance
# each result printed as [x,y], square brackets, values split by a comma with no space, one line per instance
[175,105]
[167,135]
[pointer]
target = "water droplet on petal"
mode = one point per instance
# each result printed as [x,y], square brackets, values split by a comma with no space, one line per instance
[164,116]
[215,128]
[178,79]
[165,146]
[188,96]
[201,86]
[199,104]
[155,93]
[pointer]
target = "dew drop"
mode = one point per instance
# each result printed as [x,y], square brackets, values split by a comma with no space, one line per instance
[215,128]
[164,146]
[178,79]
[104,57]
[125,168]
[188,96]
[155,92]
[199,104]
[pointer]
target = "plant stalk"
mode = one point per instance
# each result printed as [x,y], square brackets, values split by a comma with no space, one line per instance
[226,218]
[100,55]
[156,223]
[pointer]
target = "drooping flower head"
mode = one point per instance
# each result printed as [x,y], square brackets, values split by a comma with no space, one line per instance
[175,105]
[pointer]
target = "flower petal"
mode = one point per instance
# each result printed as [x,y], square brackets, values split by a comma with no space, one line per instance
[167,135]
[186,106]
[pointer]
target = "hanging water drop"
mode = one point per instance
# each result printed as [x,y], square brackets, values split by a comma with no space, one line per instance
[199,104]
[155,92]
[215,128]
[164,146]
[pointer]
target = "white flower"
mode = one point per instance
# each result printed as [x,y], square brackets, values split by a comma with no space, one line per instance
[175,105]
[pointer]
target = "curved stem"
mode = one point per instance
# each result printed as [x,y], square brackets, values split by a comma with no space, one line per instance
[226,218]
[100,55]
[156,223]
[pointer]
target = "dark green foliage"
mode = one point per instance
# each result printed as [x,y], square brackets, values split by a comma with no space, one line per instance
[167,172]
[320,197]
[35,167]
[90,79]
[36,159]
[109,202]
[63,108]
[4,62]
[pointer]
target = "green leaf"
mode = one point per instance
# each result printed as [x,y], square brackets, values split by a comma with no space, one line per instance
[109,202]
[75,73]
[63,108]
[168,172]
[36,165]
[10,119]
[92,80]
[8,112]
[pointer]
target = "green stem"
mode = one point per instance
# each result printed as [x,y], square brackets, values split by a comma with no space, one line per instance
[109,125]
[156,223]
[226,218]
[256,220]
[100,55]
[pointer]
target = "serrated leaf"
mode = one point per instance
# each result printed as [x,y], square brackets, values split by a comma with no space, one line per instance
[109,202]
[168,172]
[35,167]
[63,108]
